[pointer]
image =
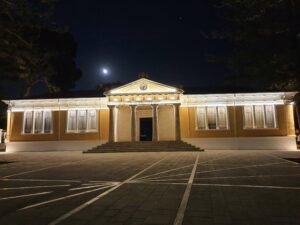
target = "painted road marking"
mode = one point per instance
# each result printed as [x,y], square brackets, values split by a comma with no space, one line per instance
[183,167]
[88,187]
[249,186]
[240,167]
[39,180]
[278,157]
[63,198]
[218,185]
[23,196]
[33,187]
[174,175]
[254,176]
[91,201]
[186,195]
[45,168]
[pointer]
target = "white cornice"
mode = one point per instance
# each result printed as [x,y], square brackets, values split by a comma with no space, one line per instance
[277,98]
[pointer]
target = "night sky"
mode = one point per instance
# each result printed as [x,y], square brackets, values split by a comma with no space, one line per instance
[164,39]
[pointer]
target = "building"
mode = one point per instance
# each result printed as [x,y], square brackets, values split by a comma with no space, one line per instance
[145,110]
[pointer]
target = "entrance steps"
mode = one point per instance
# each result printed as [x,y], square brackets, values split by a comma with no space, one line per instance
[143,146]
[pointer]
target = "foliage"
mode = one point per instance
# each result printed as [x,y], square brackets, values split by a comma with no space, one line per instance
[33,49]
[265,40]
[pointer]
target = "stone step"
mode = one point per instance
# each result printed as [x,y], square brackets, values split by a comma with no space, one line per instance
[146,146]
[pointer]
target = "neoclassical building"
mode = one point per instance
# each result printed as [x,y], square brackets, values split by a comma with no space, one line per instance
[145,110]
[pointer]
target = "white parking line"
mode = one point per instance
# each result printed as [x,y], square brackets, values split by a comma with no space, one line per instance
[39,180]
[62,198]
[186,195]
[253,176]
[277,157]
[33,187]
[45,168]
[88,187]
[183,167]
[174,175]
[91,201]
[241,167]
[23,196]
[167,179]
[249,186]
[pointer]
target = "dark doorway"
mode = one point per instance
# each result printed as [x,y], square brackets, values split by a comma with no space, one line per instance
[145,129]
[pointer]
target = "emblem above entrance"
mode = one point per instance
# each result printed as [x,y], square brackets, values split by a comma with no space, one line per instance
[143,86]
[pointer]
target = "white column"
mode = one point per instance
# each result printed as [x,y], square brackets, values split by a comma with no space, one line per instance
[133,123]
[154,133]
[111,137]
[177,122]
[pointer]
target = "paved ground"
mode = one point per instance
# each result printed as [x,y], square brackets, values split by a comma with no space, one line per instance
[212,187]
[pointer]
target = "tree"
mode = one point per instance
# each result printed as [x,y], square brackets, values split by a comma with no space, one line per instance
[265,40]
[33,48]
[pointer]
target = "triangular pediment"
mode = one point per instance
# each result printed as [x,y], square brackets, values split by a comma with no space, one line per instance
[143,86]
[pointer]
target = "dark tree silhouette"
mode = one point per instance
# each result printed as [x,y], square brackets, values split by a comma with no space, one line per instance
[33,48]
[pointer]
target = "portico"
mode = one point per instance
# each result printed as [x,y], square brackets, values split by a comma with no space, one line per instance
[143,98]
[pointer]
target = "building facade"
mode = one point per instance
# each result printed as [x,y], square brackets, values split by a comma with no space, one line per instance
[145,110]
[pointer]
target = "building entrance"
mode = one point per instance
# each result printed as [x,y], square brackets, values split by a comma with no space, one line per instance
[146,129]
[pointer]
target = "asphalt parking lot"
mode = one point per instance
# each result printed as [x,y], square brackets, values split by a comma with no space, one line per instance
[211,187]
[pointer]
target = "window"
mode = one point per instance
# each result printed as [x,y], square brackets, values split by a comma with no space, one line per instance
[259,117]
[47,121]
[28,122]
[212,118]
[37,122]
[91,120]
[82,121]
[72,126]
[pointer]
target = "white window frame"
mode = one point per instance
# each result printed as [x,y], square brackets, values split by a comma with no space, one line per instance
[33,122]
[264,118]
[77,116]
[217,119]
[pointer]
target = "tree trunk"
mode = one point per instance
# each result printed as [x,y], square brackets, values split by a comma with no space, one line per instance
[27,91]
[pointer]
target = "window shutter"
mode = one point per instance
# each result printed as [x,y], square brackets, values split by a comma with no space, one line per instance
[211,117]
[92,120]
[259,116]
[248,117]
[71,120]
[82,120]
[270,116]
[201,118]
[38,122]
[28,122]
[222,117]
[47,122]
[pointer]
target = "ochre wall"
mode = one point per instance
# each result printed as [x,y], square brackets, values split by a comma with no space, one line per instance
[17,127]
[285,124]
[166,123]
[124,124]
[59,128]
[75,136]
[104,124]
[284,113]
[290,119]
[279,131]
